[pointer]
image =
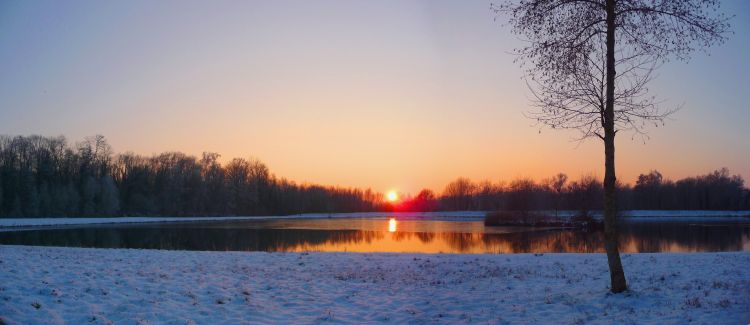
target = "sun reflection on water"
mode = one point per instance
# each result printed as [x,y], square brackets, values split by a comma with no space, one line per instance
[392,225]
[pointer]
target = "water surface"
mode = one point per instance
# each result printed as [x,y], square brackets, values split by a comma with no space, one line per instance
[387,235]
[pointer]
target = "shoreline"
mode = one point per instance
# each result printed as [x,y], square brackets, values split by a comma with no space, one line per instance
[634,215]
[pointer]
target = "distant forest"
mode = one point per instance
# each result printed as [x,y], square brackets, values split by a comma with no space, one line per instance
[48,177]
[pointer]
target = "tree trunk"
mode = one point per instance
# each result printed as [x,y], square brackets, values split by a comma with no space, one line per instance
[616,273]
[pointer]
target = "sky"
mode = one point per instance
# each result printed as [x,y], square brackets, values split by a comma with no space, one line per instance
[388,95]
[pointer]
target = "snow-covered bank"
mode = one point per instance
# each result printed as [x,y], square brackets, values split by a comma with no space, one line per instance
[636,215]
[32,222]
[630,215]
[684,213]
[661,215]
[96,286]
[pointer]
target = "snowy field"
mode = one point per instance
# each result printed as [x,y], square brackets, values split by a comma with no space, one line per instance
[104,286]
[636,215]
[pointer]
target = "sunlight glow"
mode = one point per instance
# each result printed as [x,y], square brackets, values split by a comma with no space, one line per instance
[392,196]
[392,225]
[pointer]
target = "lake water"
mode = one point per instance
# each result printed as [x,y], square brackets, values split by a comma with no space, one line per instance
[387,235]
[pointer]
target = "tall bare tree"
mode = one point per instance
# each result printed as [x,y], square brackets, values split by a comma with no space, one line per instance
[588,63]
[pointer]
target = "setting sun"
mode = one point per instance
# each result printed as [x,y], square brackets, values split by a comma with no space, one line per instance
[375,161]
[392,196]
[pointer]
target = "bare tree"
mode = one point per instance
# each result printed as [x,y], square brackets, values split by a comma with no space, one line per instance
[588,63]
[557,184]
[458,193]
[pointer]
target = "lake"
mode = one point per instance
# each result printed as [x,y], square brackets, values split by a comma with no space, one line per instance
[384,234]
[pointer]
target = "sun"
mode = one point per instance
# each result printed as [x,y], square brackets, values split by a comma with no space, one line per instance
[391,196]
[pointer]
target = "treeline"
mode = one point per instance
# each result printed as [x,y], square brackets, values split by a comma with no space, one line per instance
[718,190]
[48,177]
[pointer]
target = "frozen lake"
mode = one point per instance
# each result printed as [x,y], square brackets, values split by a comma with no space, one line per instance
[384,234]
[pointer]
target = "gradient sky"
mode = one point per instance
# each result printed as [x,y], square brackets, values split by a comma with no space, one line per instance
[382,94]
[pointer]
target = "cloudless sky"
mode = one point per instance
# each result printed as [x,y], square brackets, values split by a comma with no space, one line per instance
[382,94]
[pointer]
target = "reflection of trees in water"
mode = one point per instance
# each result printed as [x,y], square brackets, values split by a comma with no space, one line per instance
[426,237]
[545,241]
[462,242]
[188,238]
[635,237]
[523,242]
[657,237]
[423,237]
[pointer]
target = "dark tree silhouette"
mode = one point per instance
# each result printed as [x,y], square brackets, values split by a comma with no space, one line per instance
[46,177]
[588,63]
[458,194]
[556,184]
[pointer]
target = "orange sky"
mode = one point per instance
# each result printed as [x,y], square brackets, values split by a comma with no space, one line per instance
[387,95]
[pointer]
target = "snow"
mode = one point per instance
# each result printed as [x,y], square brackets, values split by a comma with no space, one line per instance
[29,222]
[684,213]
[101,286]
[635,215]
[34,222]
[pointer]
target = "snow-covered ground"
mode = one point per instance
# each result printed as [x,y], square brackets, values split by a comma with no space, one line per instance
[101,286]
[639,215]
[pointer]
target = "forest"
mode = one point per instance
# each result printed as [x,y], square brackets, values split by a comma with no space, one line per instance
[50,177]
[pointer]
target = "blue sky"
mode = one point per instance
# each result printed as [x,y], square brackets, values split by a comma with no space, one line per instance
[382,94]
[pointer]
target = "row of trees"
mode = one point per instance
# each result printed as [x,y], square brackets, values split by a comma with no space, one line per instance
[45,176]
[718,190]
